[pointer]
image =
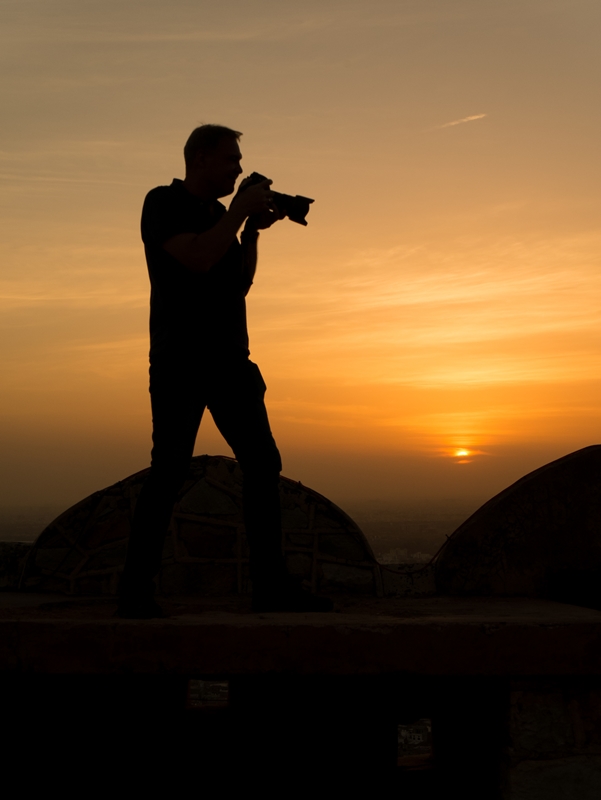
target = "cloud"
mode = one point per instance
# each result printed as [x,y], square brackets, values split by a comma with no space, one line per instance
[154,23]
[471,312]
[183,21]
[462,120]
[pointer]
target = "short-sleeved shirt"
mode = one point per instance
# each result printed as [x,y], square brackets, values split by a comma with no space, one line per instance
[193,315]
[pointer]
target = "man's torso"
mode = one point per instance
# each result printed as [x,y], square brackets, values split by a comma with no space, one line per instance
[193,315]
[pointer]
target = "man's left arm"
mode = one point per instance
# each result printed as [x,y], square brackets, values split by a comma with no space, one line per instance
[249,240]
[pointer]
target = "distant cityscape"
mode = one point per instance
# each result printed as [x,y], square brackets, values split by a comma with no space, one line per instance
[23,523]
[410,532]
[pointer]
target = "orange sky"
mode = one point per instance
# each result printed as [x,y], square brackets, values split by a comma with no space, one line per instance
[445,295]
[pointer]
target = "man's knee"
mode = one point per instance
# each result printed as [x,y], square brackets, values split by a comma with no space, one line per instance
[169,470]
[263,460]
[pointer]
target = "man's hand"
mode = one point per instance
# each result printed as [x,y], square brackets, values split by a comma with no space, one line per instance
[252,200]
[259,222]
[200,251]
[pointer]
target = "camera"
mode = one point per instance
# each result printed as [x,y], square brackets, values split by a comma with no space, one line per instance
[295,207]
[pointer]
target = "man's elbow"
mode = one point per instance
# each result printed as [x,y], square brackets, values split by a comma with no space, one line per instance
[194,263]
[190,257]
[198,264]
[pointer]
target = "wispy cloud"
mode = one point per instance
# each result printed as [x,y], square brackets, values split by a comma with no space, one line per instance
[471,313]
[462,120]
[151,21]
[160,28]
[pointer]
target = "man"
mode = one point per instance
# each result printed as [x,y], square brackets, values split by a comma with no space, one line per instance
[200,274]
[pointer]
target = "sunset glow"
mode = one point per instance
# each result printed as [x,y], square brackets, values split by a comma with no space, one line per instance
[443,305]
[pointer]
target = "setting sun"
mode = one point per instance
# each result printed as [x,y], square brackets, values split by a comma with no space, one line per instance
[462,452]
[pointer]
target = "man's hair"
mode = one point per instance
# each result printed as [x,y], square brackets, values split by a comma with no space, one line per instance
[206,138]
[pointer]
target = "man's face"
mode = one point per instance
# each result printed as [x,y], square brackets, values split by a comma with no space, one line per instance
[220,167]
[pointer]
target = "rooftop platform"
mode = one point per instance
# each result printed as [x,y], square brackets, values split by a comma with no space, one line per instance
[434,636]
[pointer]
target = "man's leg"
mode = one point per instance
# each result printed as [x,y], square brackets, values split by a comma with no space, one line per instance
[177,408]
[236,401]
[237,406]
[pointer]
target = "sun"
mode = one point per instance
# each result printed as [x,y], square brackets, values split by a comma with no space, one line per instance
[462,452]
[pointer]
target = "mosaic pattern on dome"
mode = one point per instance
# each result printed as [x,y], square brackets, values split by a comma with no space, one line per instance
[206,552]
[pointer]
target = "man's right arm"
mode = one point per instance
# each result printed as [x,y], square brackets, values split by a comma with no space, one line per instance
[200,251]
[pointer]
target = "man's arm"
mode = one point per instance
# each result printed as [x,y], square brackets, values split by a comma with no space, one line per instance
[249,240]
[200,251]
[250,237]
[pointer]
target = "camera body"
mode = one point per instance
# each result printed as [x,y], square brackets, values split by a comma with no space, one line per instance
[295,207]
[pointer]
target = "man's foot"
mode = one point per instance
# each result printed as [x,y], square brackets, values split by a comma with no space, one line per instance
[139,609]
[290,598]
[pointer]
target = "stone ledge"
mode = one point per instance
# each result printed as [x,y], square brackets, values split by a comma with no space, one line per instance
[431,636]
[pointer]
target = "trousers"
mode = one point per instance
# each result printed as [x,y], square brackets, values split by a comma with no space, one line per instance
[234,392]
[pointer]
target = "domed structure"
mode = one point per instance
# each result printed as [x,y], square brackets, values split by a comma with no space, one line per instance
[540,537]
[83,550]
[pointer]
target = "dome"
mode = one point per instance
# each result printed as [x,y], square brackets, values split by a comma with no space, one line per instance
[540,537]
[206,553]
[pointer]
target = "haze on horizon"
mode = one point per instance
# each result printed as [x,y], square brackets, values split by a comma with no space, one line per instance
[433,332]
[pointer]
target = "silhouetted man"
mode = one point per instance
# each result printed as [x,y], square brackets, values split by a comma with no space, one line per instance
[200,274]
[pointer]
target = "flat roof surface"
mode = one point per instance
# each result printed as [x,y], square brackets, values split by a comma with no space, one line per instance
[437,636]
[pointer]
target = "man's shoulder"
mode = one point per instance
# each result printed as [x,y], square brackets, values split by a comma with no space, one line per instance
[165,194]
[170,210]
[163,213]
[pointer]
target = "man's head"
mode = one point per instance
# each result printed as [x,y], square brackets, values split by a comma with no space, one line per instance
[212,157]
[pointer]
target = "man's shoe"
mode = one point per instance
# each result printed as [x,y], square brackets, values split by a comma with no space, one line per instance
[139,609]
[292,598]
